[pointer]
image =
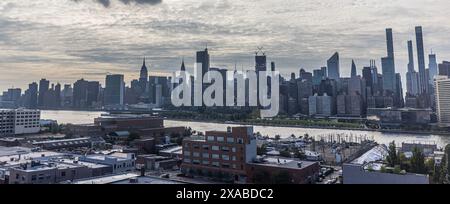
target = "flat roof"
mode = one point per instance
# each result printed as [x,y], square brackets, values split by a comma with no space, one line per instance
[125,179]
[283,162]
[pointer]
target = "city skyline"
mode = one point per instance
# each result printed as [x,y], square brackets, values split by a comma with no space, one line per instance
[70,46]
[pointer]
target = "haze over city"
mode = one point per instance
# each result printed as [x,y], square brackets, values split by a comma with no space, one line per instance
[66,40]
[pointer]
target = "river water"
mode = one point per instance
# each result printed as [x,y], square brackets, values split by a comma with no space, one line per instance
[84,117]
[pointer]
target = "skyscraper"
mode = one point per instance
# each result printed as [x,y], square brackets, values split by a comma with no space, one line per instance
[57,95]
[433,66]
[390,43]
[444,69]
[93,90]
[44,85]
[333,67]
[80,94]
[318,76]
[143,78]
[399,100]
[354,73]
[388,64]
[32,96]
[442,90]
[114,90]
[410,57]
[423,81]
[203,59]
[412,77]
[260,62]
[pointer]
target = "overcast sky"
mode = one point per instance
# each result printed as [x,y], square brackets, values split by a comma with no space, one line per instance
[65,40]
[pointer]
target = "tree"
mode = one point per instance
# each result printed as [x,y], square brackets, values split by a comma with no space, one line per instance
[392,158]
[418,162]
[397,169]
[430,166]
[402,161]
[277,137]
[261,150]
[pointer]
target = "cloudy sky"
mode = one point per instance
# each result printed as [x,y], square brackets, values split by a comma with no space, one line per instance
[65,40]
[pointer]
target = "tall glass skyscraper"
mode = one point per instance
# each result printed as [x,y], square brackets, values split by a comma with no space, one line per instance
[423,81]
[433,66]
[114,90]
[412,77]
[388,64]
[333,67]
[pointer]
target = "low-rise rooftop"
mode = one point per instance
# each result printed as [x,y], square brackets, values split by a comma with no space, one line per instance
[283,162]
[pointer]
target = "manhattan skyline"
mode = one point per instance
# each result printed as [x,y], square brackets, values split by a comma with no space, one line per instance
[85,39]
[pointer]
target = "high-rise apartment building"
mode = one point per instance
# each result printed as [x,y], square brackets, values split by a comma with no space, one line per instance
[442,90]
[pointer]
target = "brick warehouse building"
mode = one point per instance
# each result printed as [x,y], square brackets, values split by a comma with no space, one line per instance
[231,156]
[220,154]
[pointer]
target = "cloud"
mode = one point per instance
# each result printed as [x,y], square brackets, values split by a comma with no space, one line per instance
[107,3]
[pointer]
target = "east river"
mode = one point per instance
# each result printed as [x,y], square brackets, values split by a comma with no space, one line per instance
[85,117]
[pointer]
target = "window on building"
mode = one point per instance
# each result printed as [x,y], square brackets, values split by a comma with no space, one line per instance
[233,149]
[210,138]
[225,157]
[230,139]
[205,147]
[205,162]
[196,154]
[187,153]
[225,149]
[216,164]
[220,139]
[63,174]
[205,155]
[215,148]
[215,156]
[240,141]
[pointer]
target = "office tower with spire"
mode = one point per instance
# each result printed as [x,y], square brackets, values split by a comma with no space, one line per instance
[333,67]
[423,81]
[143,78]
[412,77]
[354,73]
[388,65]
